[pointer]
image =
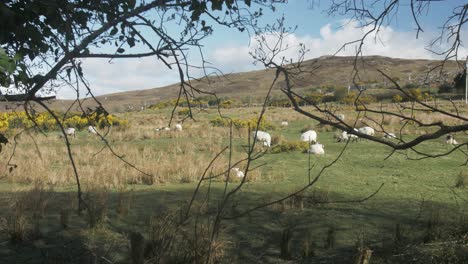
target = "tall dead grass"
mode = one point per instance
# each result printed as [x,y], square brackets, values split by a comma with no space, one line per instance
[166,157]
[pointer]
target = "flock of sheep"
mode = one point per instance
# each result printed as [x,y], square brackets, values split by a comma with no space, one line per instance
[71,132]
[310,136]
[177,127]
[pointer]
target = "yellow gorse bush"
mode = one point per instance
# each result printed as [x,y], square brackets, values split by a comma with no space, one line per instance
[243,123]
[45,121]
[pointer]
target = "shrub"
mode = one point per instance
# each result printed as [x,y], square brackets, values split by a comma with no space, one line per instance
[315,98]
[416,94]
[349,99]
[288,146]
[184,112]
[163,104]
[226,104]
[46,121]
[277,139]
[340,93]
[397,98]
[243,123]
[445,88]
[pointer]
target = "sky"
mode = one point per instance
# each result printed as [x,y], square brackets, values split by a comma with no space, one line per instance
[228,49]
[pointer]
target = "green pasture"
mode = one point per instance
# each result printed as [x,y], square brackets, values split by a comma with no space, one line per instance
[412,190]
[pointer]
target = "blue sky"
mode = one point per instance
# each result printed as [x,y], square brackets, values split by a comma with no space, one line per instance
[228,49]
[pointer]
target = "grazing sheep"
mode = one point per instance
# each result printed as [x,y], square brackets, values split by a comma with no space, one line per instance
[317,149]
[352,136]
[70,131]
[166,129]
[367,130]
[449,139]
[284,124]
[389,135]
[178,127]
[309,136]
[340,117]
[157,129]
[239,173]
[92,130]
[344,136]
[263,137]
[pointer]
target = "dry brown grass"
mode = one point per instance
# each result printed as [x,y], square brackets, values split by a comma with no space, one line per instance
[166,156]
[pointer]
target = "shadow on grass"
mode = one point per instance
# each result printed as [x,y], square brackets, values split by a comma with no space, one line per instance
[253,238]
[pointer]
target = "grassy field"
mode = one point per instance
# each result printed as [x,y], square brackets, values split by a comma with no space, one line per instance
[40,192]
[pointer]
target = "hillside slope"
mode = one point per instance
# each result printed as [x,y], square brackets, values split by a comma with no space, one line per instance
[323,71]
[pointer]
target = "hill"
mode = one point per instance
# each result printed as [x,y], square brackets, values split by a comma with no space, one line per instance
[320,72]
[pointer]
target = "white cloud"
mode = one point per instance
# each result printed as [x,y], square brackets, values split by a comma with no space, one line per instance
[387,42]
[122,75]
[136,74]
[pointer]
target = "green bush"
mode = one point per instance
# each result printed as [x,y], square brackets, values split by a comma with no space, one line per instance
[446,88]
[288,146]
[243,123]
[184,112]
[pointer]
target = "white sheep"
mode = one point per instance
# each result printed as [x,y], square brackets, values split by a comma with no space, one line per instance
[352,136]
[309,136]
[157,129]
[166,129]
[344,136]
[70,131]
[178,127]
[238,172]
[340,117]
[367,130]
[263,137]
[389,135]
[284,124]
[92,130]
[449,139]
[317,148]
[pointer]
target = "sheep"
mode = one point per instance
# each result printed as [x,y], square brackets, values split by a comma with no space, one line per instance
[344,136]
[70,131]
[367,130]
[162,129]
[309,136]
[352,136]
[449,139]
[263,137]
[284,124]
[178,127]
[389,135]
[340,117]
[317,149]
[92,130]
[239,173]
